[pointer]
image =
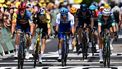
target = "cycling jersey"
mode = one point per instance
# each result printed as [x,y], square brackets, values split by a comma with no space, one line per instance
[83,18]
[43,22]
[116,12]
[64,26]
[23,23]
[110,22]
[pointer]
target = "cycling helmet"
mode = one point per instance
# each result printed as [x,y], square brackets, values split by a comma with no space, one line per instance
[64,11]
[42,11]
[83,7]
[106,5]
[22,6]
[73,10]
[29,5]
[106,12]
[92,7]
[101,8]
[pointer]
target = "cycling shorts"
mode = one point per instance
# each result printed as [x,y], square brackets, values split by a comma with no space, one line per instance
[23,27]
[63,28]
[44,28]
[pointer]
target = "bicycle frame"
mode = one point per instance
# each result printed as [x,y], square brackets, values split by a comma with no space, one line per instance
[37,48]
[106,49]
[84,44]
[65,50]
[21,51]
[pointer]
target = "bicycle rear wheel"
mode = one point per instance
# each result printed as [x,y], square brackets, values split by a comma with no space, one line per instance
[84,47]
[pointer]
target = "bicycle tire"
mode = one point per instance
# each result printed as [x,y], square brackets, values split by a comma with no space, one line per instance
[77,45]
[63,59]
[36,54]
[93,44]
[65,50]
[21,56]
[104,56]
[21,51]
[108,54]
[84,46]
[19,60]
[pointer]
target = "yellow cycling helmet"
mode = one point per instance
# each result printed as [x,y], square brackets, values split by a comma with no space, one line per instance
[73,10]
[106,5]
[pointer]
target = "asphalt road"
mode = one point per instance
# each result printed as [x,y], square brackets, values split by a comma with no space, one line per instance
[74,61]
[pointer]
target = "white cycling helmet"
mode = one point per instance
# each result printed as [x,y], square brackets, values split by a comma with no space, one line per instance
[106,12]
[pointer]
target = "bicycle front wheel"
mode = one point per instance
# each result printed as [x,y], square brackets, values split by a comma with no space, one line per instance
[21,56]
[64,53]
[36,54]
[108,54]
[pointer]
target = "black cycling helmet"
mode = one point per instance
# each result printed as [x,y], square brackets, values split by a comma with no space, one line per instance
[83,7]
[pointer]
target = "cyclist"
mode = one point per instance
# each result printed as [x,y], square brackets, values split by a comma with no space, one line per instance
[64,23]
[73,11]
[105,21]
[116,12]
[42,21]
[85,21]
[22,22]
[94,10]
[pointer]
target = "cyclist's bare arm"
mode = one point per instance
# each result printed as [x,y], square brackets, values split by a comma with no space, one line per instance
[14,19]
[92,22]
[99,28]
[48,23]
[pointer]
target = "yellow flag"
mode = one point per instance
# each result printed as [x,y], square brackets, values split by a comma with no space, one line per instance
[77,1]
[2,1]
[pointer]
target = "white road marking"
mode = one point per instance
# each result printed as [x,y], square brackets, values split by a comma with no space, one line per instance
[66,67]
[120,36]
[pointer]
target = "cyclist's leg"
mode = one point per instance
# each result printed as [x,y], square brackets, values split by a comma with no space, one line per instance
[43,39]
[88,35]
[97,39]
[28,40]
[112,37]
[79,30]
[71,35]
[100,44]
[33,39]
[17,39]
[60,41]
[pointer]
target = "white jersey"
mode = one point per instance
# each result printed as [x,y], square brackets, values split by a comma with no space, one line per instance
[70,18]
[116,8]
